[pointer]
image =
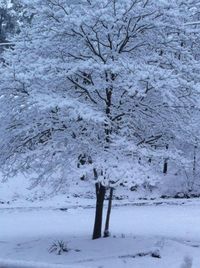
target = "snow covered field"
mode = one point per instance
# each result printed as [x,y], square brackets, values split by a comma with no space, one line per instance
[140,234]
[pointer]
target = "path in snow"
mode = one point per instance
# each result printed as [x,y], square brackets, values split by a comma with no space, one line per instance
[173,231]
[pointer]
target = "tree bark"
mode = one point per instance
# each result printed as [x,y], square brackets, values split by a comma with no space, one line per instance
[100,195]
[106,231]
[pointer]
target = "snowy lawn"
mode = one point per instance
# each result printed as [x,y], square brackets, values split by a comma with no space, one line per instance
[140,235]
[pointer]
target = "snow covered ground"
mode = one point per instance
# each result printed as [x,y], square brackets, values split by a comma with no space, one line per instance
[140,234]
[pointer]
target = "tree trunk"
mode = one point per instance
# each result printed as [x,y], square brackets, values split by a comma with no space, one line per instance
[106,231]
[165,166]
[100,195]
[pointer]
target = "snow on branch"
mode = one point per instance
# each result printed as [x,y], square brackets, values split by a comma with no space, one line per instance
[192,23]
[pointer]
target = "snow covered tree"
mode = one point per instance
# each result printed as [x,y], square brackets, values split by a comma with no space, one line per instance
[96,84]
[6,23]
[12,15]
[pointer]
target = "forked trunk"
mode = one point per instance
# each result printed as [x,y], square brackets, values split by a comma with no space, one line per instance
[100,195]
[106,231]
